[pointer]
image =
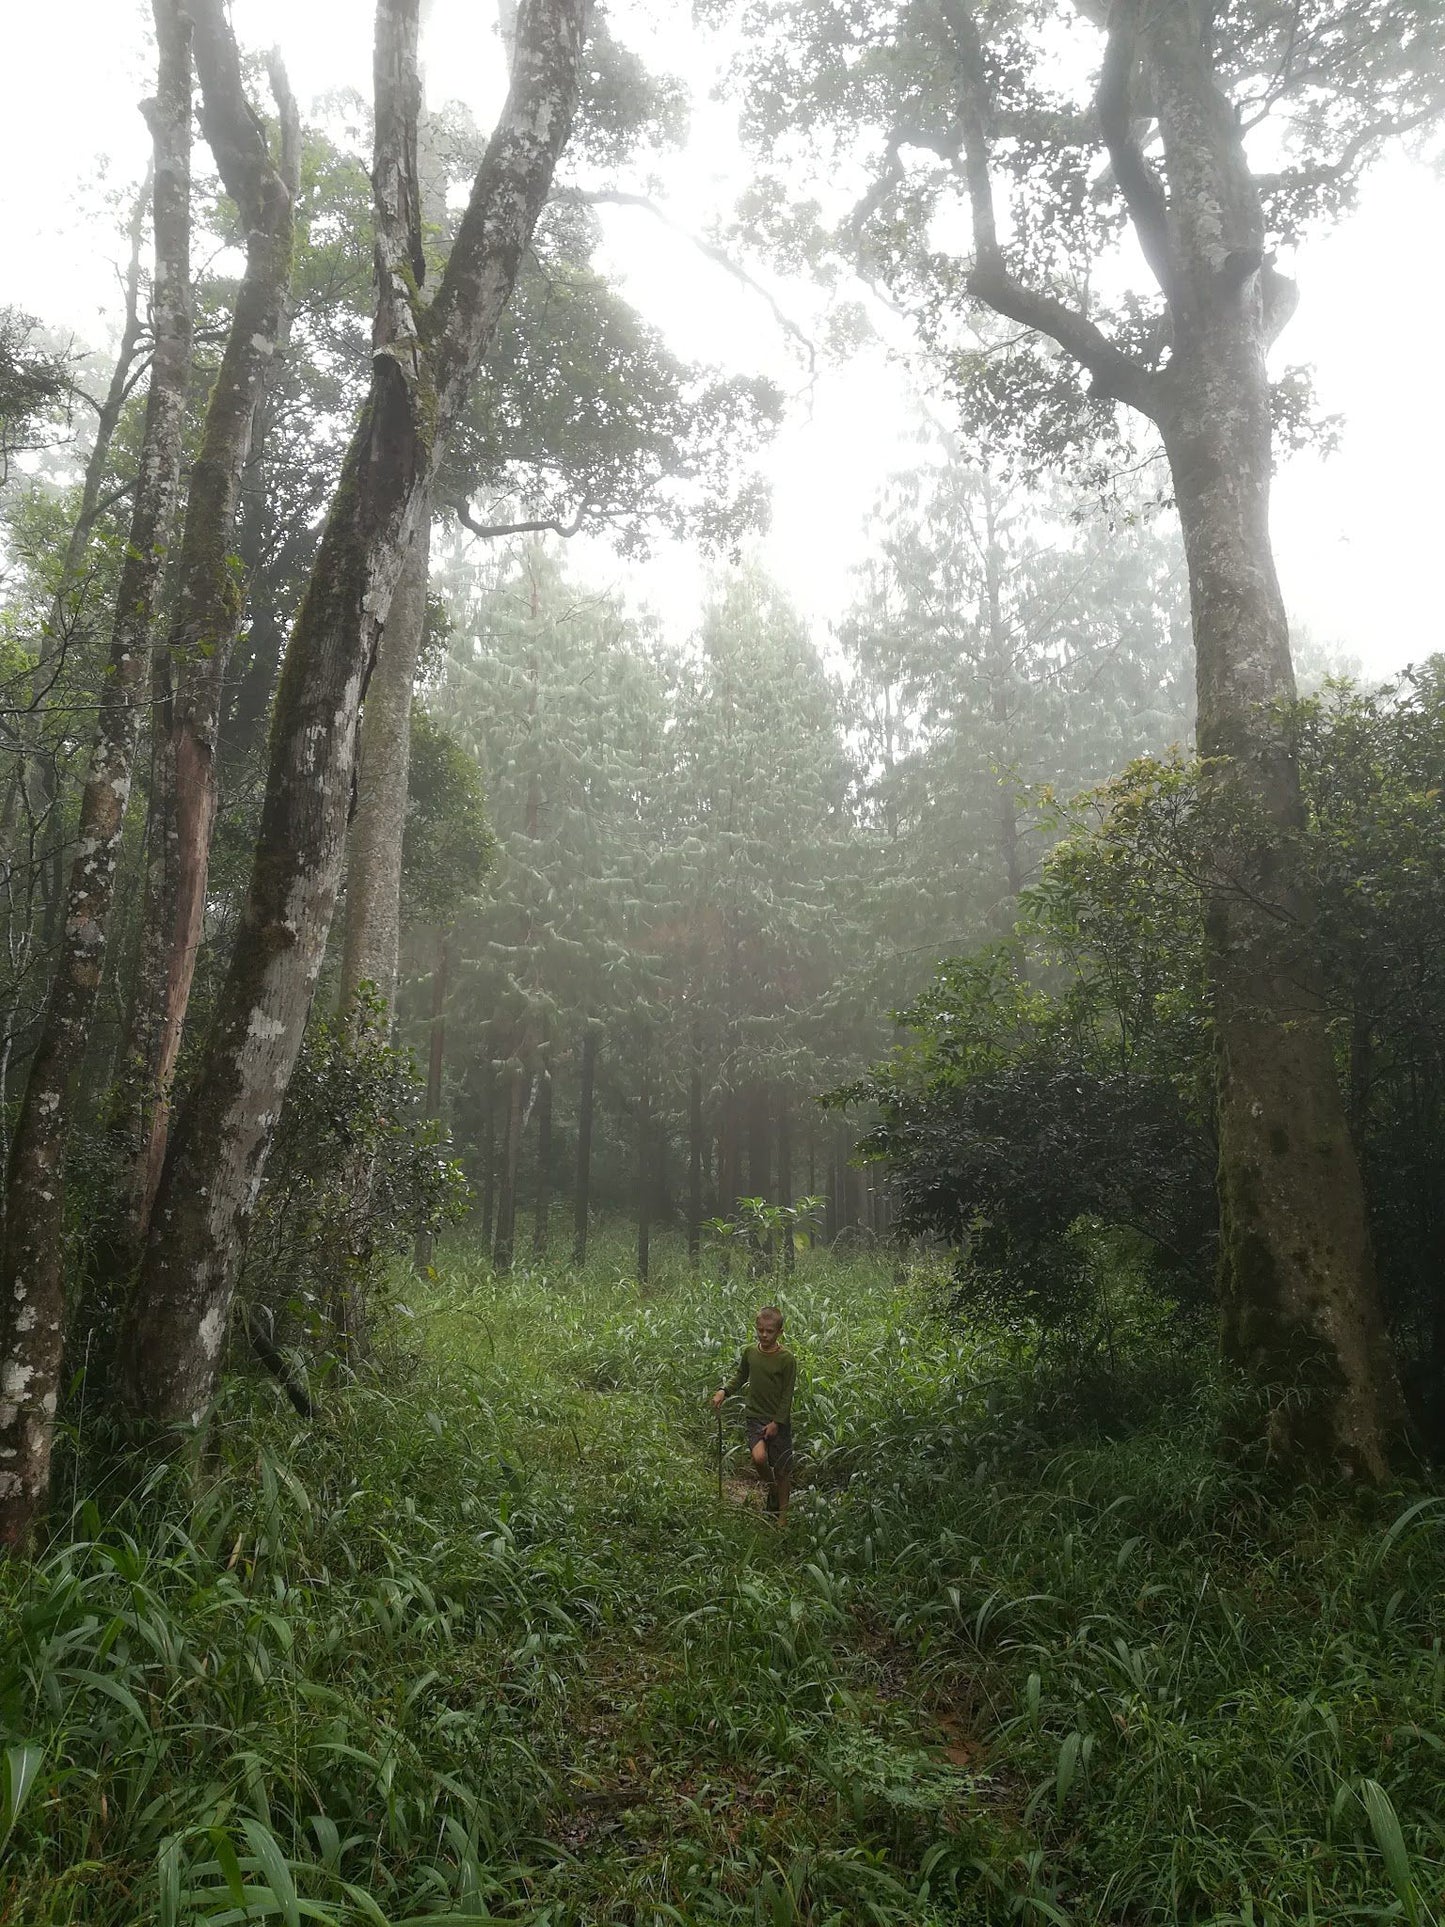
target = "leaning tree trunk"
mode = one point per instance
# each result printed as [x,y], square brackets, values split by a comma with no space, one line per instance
[580,1201]
[1299,1299]
[421,374]
[371,938]
[32,1273]
[207,610]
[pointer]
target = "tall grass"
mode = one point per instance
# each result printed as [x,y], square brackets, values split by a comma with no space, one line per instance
[484,1644]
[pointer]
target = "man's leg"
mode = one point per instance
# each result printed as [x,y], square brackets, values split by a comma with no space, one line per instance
[760,1461]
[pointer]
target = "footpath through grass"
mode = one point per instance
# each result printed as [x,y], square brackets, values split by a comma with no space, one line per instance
[485,1644]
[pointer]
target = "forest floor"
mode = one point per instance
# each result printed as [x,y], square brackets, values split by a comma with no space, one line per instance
[487,1643]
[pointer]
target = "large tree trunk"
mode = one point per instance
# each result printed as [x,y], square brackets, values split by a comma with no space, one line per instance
[1299,1300]
[421,374]
[373,866]
[207,609]
[374,847]
[580,1200]
[32,1275]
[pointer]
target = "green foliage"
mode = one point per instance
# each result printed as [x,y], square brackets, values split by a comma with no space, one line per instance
[487,1646]
[765,1229]
[448,849]
[1023,1114]
[35,388]
[351,1113]
[855,114]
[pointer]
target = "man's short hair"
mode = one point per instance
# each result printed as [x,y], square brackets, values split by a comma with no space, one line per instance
[772,1315]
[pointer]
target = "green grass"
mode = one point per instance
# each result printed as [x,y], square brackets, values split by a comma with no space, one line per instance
[484,1643]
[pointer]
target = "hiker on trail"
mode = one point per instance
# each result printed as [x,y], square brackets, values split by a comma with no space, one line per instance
[770,1372]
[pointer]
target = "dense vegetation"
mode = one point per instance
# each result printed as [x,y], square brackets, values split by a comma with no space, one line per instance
[1020,983]
[486,1644]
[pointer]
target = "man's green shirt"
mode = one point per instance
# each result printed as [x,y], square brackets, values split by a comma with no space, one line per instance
[770,1378]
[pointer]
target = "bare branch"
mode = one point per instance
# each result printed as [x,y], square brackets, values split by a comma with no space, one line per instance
[493,531]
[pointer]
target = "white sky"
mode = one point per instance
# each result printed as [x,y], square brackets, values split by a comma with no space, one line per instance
[1355,535]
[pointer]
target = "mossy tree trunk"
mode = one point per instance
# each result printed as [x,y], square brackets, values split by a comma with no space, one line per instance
[1299,1301]
[32,1272]
[422,369]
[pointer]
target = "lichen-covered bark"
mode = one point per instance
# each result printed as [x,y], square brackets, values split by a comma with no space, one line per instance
[32,1275]
[373,866]
[207,610]
[422,369]
[1299,1300]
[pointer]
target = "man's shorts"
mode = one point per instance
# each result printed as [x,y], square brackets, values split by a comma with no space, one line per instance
[780,1446]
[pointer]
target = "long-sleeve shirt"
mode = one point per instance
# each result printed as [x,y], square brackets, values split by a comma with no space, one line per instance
[770,1378]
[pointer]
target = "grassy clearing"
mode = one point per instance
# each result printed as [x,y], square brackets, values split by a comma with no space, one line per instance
[485,1644]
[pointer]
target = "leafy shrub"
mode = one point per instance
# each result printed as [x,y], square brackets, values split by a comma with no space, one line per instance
[355,1174]
[1023,1107]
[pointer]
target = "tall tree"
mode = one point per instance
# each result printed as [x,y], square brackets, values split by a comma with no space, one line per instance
[422,370]
[957,103]
[32,1275]
[207,607]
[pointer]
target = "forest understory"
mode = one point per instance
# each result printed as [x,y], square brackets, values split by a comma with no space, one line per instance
[492,1640]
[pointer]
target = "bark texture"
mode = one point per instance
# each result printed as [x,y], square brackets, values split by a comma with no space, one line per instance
[422,369]
[192,672]
[1299,1298]
[373,869]
[32,1274]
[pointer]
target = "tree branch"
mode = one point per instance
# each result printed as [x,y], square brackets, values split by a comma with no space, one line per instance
[1325,173]
[1116,375]
[616,197]
[492,531]
[1140,185]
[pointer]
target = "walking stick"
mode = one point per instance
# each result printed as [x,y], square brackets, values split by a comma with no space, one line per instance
[719,1456]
